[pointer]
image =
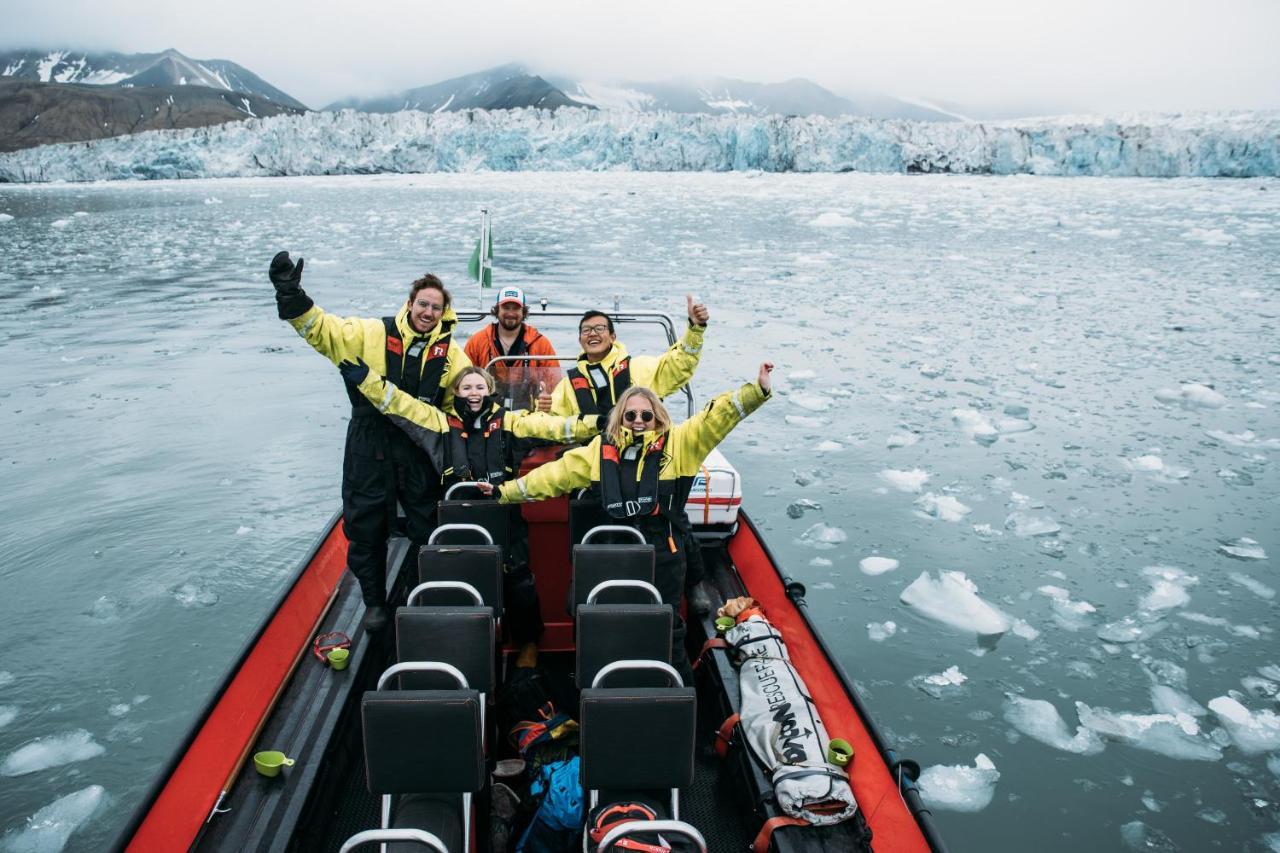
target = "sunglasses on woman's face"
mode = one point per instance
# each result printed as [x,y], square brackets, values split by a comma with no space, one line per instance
[633,415]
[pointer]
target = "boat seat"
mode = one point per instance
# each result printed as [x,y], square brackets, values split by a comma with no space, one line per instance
[586,513]
[463,637]
[477,565]
[494,517]
[637,744]
[607,633]
[425,782]
[594,564]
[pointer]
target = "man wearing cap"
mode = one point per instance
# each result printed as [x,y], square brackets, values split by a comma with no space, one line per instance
[526,383]
[381,465]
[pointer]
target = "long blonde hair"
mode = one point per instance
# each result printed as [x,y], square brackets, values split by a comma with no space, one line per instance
[661,420]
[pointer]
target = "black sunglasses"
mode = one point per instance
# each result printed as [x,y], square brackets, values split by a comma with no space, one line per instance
[633,415]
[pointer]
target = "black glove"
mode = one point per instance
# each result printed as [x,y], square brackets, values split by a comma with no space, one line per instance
[354,372]
[285,275]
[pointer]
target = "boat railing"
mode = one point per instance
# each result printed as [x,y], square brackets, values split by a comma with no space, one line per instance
[458,528]
[613,528]
[474,484]
[429,586]
[637,666]
[605,586]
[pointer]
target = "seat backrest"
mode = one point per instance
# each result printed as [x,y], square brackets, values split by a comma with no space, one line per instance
[489,514]
[584,514]
[637,738]
[422,741]
[614,632]
[594,564]
[478,565]
[462,637]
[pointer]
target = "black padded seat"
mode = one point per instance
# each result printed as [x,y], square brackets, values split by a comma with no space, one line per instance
[593,564]
[586,513]
[612,632]
[478,565]
[489,514]
[638,739]
[459,636]
[426,776]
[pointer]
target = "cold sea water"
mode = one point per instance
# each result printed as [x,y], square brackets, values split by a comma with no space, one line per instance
[1023,453]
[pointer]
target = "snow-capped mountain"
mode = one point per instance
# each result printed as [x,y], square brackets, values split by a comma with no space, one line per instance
[137,70]
[504,88]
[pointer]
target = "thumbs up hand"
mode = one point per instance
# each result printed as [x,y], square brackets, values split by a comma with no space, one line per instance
[698,313]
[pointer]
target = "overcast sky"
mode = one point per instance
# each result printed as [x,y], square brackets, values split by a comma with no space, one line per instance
[1094,55]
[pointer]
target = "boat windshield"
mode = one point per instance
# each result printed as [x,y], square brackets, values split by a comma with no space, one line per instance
[521,379]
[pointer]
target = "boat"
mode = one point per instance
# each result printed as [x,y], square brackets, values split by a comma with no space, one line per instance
[280,694]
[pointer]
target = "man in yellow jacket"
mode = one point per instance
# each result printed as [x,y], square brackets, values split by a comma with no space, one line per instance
[381,466]
[605,369]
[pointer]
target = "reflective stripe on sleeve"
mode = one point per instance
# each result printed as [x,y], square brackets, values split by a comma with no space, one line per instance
[306,327]
[737,404]
[386,398]
[568,429]
[524,492]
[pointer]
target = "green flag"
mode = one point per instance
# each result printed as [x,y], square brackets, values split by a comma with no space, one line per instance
[473,266]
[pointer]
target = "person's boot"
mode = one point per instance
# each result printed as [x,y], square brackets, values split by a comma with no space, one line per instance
[699,601]
[376,618]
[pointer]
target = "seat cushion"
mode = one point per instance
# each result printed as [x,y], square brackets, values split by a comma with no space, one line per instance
[478,565]
[637,738]
[459,636]
[613,632]
[439,814]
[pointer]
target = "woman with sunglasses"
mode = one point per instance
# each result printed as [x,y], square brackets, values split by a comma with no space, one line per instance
[642,468]
[475,442]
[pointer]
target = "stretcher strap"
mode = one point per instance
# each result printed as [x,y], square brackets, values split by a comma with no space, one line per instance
[724,735]
[713,643]
[761,844]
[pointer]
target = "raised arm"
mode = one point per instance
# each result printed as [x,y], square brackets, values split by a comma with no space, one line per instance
[695,438]
[336,338]
[569,472]
[551,427]
[675,367]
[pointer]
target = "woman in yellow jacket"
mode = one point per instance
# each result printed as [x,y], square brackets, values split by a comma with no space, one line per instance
[474,442]
[642,468]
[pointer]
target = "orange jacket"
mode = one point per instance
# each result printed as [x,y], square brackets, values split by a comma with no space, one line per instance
[517,380]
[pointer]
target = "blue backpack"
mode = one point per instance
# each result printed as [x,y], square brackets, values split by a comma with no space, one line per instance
[558,821]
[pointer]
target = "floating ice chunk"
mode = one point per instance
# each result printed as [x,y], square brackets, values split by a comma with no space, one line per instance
[1040,720]
[821,562]
[1152,464]
[243,529]
[976,425]
[796,509]
[5,217]
[60,223]
[986,531]
[1136,835]
[953,600]
[929,371]
[877,565]
[1173,735]
[1192,395]
[291,204]
[831,219]
[52,751]
[1243,548]
[940,684]
[878,632]
[1257,587]
[1132,629]
[959,788]
[811,402]
[1209,236]
[6,678]
[1168,700]
[823,536]
[1248,438]
[828,446]
[192,595]
[807,421]
[901,439]
[1025,524]
[213,200]
[8,713]
[1071,615]
[801,375]
[1253,732]
[1007,426]
[944,507]
[904,481]
[50,828]
[1168,588]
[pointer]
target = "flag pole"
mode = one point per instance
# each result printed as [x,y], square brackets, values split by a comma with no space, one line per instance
[484,250]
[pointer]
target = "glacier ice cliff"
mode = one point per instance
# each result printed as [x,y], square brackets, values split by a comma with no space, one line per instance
[1242,144]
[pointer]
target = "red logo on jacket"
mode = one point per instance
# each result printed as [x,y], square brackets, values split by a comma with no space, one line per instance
[438,351]
[395,345]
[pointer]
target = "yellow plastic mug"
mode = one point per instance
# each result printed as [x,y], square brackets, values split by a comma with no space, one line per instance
[839,752]
[269,763]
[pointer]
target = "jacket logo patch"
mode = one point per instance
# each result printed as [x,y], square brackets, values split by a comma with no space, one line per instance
[395,345]
[438,351]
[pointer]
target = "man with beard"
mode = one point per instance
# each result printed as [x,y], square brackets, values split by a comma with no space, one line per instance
[381,466]
[523,384]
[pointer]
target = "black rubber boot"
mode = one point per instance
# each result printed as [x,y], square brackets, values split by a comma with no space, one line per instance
[376,618]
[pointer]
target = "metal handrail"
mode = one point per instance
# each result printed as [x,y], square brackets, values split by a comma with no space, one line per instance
[671,827]
[423,666]
[473,528]
[463,586]
[612,528]
[475,484]
[368,836]
[634,665]
[605,586]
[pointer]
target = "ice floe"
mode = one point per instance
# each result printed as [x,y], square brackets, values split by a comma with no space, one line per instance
[1254,586]
[953,600]
[878,632]
[797,508]
[1243,548]
[831,219]
[1170,700]
[1254,732]
[1070,614]
[976,425]
[195,595]
[1168,588]
[940,684]
[1248,438]
[1192,395]
[1040,720]
[811,402]
[960,788]
[901,439]
[823,536]
[1137,835]
[828,446]
[1172,735]
[1026,524]
[877,565]
[904,481]
[1154,465]
[5,217]
[52,751]
[8,713]
[1133,628]
[1209,236]
[801,375]
[944,507]
[51,827]
[807,421]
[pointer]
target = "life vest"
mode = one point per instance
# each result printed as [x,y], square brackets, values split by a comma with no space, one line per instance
[478,453]
[418,372]
[611,385]
[622,495]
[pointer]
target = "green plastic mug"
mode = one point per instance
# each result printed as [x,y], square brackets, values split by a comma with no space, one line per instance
[724,623]
[270,762]
[839,752]
[338,658]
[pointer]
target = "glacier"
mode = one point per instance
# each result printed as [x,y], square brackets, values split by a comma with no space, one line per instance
[1238,144]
